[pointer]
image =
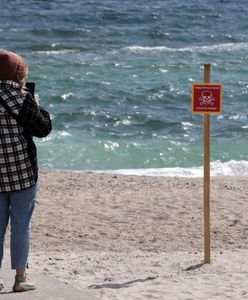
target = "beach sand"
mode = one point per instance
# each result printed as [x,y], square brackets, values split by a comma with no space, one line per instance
[140,237]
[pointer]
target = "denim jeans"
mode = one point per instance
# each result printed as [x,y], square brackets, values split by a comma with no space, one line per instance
[18,207]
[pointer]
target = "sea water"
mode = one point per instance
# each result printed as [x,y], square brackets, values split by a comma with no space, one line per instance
[116,77]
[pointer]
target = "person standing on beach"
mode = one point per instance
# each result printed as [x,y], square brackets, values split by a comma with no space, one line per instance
[21,118]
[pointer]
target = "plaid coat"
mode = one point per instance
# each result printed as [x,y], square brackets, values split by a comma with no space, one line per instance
[18,160]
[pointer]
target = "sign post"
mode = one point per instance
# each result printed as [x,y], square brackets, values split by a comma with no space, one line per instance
[207,256]
[207,99]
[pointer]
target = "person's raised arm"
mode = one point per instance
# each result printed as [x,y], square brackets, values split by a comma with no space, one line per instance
[34,118]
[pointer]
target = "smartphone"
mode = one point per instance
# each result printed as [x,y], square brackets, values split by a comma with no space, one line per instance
[30,87]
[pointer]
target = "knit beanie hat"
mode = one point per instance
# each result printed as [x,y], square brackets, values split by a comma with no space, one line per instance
[11,65]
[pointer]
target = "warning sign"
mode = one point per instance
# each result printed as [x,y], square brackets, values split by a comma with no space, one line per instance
[207,98]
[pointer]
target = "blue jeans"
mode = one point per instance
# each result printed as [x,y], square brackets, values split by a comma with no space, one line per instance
[18,207]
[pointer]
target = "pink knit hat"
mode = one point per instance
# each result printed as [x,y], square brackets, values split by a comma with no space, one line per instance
[10,65]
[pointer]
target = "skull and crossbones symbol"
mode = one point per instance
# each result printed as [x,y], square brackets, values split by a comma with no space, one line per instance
[207,98]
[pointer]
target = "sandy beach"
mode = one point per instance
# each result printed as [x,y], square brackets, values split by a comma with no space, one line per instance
[141,237]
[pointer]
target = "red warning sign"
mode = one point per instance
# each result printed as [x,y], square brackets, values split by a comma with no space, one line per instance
[207,98]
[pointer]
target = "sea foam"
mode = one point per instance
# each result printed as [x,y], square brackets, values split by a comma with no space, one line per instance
[230,168]
[200,48]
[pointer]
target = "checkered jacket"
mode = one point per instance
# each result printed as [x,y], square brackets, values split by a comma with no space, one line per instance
[18,160]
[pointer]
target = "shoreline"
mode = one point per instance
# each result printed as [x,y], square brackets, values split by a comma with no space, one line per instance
[217,169]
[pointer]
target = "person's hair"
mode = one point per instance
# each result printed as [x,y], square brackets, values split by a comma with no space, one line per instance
[22,74]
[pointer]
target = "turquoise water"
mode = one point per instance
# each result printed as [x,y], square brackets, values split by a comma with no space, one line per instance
[116,77]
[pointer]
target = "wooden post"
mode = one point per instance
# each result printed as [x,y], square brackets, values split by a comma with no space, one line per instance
[207,256]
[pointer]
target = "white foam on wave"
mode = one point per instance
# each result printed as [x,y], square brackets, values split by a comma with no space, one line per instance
[222,47]
[203,48]
[57,52]
[230,168]
[138,49]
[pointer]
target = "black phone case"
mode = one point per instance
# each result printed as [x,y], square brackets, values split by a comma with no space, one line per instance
[31,87]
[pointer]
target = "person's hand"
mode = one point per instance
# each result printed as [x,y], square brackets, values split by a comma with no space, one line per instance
[37,99]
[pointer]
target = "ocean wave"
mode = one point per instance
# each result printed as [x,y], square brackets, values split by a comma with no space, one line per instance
[230,168]
[140,49]
[203,48]
[57,52]
[55,136]
[220,47]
